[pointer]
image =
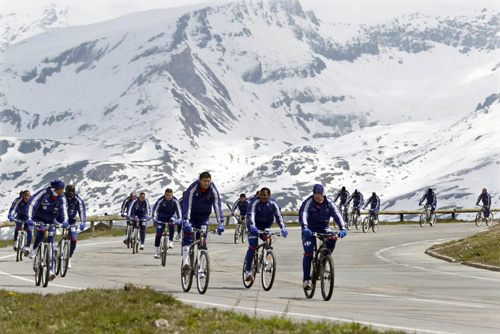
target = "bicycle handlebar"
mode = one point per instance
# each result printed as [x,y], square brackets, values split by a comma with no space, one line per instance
[278,234]
[326,235]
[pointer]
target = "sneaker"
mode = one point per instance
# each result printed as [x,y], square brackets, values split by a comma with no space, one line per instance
[178,236]
[157,256]
[248,277]
[69,263]
[142,247]
[170,244]
[201,274]
[185,269]
[51,275]
[306,285]
[15,246]
[26,251]
[125,242]
[31,254]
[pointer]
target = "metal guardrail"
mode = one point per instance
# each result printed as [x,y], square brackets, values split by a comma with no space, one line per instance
[109,219]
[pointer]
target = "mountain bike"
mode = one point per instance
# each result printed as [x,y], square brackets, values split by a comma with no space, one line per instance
[164,243]
[136,235]
[264,262]
[130,236]
[199,262]
[370,221]
[43,259]
[240,231]
[322,267]
[426,216]
[350,220]
[21,242]
[355,219]
[480,217]
[345,213]
[61,258]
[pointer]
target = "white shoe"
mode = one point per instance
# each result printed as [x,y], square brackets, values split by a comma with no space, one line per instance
[51,275]
[248,276]
[69,263]
[157,256]
[142,247]
[306,285]
[178,236]
[31,254]
[170,244]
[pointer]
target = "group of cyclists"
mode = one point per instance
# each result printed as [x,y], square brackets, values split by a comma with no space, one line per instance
[190,215]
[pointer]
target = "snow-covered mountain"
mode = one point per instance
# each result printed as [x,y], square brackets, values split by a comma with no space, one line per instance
[259,93]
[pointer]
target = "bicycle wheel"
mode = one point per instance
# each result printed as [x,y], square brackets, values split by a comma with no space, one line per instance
[327,277]
[187,280]
[268,270]
[129,236]
[244,234]
[489,220]
[237,233]
[57,259]
[46,265]
[374,226]
[479,218]
[20,246]
[432,220]
[135,242]
[310,293]
[203,272]
[164,251]
[64,258]
[246,284]
[366,224]
[37,266]
[422,219]
[348,224]
[357,222]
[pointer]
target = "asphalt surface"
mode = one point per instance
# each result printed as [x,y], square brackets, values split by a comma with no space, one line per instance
[383,279]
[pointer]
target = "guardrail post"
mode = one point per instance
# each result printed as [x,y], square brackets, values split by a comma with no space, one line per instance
[453,215]
[91,226]
[110,225]
[401,217]
[227,221]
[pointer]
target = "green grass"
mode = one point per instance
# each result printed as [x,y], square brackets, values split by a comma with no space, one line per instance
[134,310]
[482,248]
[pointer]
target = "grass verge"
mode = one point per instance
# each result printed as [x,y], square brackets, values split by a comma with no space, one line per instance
[482,248]
[137,310]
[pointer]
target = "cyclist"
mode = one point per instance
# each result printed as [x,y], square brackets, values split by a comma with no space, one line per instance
[314,216]
[343,194]
[140,209]
[261,213]
[179,227]
[44,207]
[18,211]
[164,210]
[374,203]
[75,206]
[486,199]
[241,204]
[197,205]
[431,199]
[124,211]
[357,201]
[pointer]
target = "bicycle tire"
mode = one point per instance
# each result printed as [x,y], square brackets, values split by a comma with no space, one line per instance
[164,251]
[135,242]
[249,284]
[203,272]
[366,224]
[310,293]
[357,222]
[268,271]
[422,219]
[37,267]
[432,220]
[374,227]
[64,258]
[348,224]
[20,246]
[57,259]
[46,265]
[327,277]
[237,233]
[129,238]
[244,234]
[187,280]
[489,220]
[479,219]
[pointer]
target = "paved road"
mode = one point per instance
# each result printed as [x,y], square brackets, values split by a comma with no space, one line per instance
[384,280]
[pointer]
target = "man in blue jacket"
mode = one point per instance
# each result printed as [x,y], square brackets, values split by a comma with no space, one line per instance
[124,211]
[241,204]
[197,205]
[486,199]
[17,213]
[314,216]
[140,211]
[357,201]
[261,213]
[343,194]
[166,210]
[374,203]
[43,208]
[430,198]
[76,206]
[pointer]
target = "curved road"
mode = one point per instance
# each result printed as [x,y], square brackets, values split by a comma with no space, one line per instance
[383,280]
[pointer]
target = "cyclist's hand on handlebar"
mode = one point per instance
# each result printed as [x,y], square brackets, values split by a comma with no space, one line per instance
[284,232]
[155,221]
[306,233]
[221,228]
[254,230]
[128,217]
[232,213]
[82,226]
[30,222]
[123,215]
[136,218]
[11,218]
[343,233]
[65,224]
[178,222]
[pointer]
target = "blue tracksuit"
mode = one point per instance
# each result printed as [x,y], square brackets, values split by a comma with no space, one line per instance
[486,199]
[18,210]
[197,207]
[261,215]
[316,216]
[242,206]
[75,206]
[343,197]
[163,211]
[141,210]
[357,200]
[374,203]
[430,199]
[124,210]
